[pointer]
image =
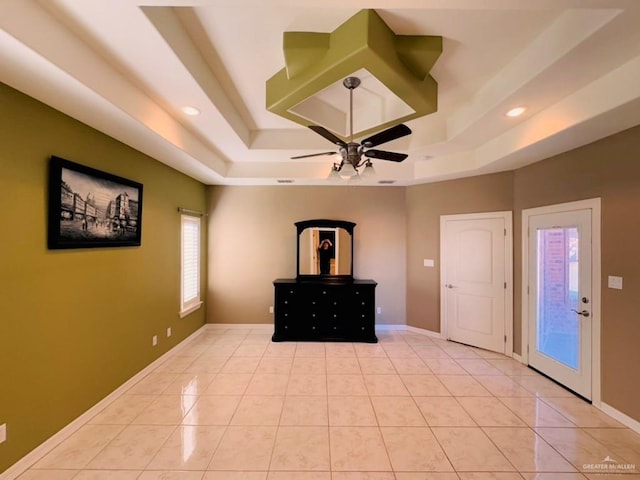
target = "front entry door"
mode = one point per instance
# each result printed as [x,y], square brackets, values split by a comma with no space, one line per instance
[476,255]
[560,299]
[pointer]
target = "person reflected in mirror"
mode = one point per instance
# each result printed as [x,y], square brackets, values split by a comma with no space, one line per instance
[325,255]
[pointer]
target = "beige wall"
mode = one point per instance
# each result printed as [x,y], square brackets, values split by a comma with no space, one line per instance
[76,324]
[252,241]
[425,204]
[609,169]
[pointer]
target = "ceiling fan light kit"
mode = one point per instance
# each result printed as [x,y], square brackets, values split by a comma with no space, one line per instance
[368,171]
[347,170]
[334,174]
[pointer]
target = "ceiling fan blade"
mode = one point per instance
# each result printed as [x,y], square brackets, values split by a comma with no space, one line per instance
[328,135]
[313,155]
[386,136]
[382,155]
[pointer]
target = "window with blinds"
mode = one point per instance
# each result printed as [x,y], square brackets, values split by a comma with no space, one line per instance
[190,264]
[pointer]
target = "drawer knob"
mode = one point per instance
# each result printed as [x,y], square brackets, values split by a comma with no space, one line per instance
[313,328]
[335,328]
[362,328]
[313,314]
[334,315]
[285,302]
[363,303]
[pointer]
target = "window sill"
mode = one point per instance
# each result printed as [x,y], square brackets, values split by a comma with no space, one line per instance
[190,309]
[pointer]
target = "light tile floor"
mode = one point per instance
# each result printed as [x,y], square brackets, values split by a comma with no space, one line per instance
[231,405]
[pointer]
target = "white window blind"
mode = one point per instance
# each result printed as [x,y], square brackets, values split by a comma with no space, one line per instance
[190,263]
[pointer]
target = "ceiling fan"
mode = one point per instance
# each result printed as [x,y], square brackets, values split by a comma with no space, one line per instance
[353,152]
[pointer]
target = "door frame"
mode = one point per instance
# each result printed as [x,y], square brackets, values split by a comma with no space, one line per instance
[595,205]
[507,216]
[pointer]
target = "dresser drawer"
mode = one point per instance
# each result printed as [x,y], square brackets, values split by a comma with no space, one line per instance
[325,312]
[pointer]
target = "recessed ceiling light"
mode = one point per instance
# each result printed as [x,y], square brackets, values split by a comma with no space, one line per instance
[516,112]
[193,111]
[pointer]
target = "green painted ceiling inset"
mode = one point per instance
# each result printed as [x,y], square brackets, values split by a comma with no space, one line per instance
[314,61]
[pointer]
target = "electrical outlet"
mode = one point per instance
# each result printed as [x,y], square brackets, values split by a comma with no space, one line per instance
[169,332]
[271,309]
[379,310]
[428,262]
[3,433]
[154,340]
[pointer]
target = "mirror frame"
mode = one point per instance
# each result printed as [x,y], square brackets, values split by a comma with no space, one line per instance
[324,223]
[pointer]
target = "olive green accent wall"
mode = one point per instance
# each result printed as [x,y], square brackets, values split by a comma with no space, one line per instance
[76,324]
[252,241]
[315,61]
[425,204]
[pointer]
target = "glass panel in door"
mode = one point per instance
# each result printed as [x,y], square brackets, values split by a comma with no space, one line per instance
[558,326]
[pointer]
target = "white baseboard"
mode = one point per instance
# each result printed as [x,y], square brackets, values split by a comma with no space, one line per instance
[390,327]
[517,357]
[406,328]
[22,465]
[422,331]
[381,327]
[239,326]
[621,417]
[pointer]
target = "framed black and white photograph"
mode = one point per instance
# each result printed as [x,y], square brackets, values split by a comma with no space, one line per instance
[89,208]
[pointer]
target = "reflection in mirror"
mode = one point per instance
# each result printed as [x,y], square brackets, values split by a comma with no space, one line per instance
[325,251]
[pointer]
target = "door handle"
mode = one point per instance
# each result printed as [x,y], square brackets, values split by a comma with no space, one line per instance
[584,313]
[449,285]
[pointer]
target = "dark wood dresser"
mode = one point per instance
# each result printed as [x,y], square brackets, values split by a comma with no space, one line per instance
[324,311]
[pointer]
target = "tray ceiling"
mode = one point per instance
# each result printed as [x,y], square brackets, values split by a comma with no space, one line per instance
[127,68]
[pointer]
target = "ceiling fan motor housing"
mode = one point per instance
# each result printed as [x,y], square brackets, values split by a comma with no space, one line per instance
[353,154]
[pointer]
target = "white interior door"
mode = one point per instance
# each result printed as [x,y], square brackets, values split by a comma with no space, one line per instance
[476,278]
[560,298]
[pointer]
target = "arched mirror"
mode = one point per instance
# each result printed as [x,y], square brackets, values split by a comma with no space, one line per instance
[325,250]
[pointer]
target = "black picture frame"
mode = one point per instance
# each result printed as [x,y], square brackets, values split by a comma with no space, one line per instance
[89,208]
